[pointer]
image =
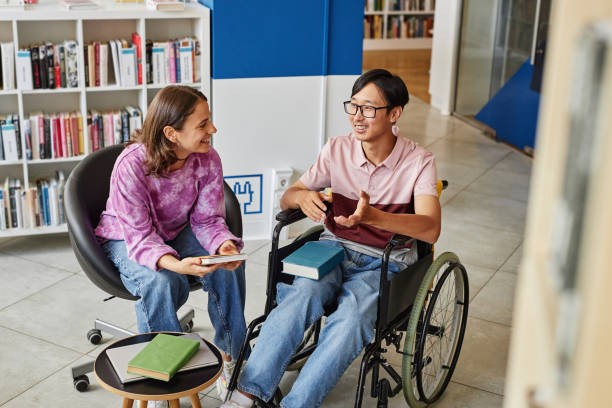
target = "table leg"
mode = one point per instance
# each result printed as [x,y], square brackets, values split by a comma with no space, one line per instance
[127,403]
[144,404]
[175,403]
[195,400]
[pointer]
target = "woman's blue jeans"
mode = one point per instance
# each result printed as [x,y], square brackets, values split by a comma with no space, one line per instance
[354,286]
[163,292]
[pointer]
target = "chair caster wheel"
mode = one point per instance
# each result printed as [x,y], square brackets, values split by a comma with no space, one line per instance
[188,327]
[94,336]
[81,383]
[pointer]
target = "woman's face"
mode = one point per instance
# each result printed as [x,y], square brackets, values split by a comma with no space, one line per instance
[196,132]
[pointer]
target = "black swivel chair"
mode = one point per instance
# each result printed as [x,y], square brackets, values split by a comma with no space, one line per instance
[85,198]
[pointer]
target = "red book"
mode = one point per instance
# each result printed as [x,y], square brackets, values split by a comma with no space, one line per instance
[94,133]
[57,145]
[96,64]
[136,41]
[57,72]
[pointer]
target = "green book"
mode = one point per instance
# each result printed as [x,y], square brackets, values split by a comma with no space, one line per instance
[163,356]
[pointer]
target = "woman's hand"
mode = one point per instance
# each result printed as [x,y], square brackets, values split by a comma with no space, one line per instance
[228,248]
[186,266]
[312,205]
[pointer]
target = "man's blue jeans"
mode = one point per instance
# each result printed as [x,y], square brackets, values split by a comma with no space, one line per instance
[354,285]
[163,292]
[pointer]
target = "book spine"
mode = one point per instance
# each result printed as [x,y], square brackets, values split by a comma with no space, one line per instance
[8,65]
[171,62]
[42,65]
[27,134]
[96,64]
[137,43]
[35,67]
[50,67]
[62,60]
[72,74]
[24,70]
[57,72]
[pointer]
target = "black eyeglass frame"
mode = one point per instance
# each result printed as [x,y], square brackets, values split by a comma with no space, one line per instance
[360,108]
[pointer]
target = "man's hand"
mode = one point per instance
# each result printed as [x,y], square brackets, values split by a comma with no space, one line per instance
[360,215]
[311,203]
[228,248]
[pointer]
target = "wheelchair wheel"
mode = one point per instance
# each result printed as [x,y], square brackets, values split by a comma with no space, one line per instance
[435,331]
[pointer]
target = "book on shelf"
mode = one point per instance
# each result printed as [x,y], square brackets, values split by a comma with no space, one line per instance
[10,137]
[54,135]
[79,4]
[166,5]
[47,66]
[313,260]
[24,69]
[163,356]
[136,41]
[175,61]
[120,356]
[112,127]
[7,65]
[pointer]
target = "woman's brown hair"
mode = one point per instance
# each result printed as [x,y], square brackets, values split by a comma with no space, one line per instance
[170,107]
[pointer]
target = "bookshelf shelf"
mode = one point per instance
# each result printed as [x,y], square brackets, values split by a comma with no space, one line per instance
[48,22]
[382,26]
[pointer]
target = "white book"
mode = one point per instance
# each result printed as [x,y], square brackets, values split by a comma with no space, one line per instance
[186,58]
[197,60]
[72,74]
[121,356]
[159,62]
[7,53]
[128,66]
[115,57]
[103,64]
[34,131]
[166,62]
[53,202]
[117,127]
[3,225]
[25,215]
[53,136]
[24,70]
[61,182]
[9,142]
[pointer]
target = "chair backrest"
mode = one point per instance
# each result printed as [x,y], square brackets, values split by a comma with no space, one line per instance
[85,198]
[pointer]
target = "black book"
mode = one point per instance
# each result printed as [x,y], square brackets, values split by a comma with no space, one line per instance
[86,60]
[35,67]
[50,67]
[42,65]
[15,121]
[100,131]
[149,65]
[62,60]
[2,122]
[13,204]
[48,154]
[125,126]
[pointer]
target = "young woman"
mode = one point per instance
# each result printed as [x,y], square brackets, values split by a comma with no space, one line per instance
[166,208]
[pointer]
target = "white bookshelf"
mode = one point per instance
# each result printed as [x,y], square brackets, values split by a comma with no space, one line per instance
[386,43]
[50,22]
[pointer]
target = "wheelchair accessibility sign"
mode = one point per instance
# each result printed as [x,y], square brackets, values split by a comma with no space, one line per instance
[248,191]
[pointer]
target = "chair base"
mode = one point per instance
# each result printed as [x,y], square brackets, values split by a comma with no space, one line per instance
[79,372]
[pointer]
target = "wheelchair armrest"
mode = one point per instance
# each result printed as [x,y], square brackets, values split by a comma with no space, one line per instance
[290,216]
[398,240]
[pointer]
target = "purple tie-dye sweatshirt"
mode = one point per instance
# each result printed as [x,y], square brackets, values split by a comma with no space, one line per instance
[145,210]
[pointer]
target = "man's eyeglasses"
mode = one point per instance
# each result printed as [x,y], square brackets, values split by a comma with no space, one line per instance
[366,110]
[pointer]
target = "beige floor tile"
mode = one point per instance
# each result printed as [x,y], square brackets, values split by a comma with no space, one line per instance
[502,183]
[494,212]
[460,396]
[514,262]
[63,313]
[495,302]
[50,250]
[26,361]
[477,277]
[476,244]
[21,278]
[515,162]
[469,154]
[482,363]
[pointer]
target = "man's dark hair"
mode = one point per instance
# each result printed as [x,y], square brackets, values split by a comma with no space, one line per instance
[392,87]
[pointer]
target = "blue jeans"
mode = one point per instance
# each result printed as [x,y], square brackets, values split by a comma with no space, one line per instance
[354,286]
[163,292]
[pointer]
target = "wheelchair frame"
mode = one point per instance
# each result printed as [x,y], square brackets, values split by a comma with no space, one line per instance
[395,309]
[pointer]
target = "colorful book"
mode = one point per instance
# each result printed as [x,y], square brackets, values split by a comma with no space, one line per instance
[163,356]
[313,260]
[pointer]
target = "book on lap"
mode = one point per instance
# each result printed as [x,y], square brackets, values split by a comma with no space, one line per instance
[163,356]
[313,260]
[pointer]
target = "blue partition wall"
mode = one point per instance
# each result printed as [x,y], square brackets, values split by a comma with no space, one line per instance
[280,71]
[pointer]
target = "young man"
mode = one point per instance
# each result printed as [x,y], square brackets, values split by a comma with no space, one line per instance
[373,174]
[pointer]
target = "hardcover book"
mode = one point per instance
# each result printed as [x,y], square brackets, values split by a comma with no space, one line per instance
[313,260]
[163,356]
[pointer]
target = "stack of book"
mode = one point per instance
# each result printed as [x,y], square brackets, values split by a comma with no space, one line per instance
[53,135]
[410,27]
[173,61]
[38,206]
[120,57]
[161,358]
[48,66]
[7,64]
[10,137]
[112,127]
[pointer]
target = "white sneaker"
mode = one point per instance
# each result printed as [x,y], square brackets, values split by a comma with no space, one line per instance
[224,379]
[238,400]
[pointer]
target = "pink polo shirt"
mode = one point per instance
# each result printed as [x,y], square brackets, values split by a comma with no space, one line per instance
[343,166]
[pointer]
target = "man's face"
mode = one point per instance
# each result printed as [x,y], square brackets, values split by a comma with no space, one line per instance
[370,129]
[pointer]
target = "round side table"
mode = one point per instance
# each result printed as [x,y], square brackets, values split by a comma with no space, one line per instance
[183,384]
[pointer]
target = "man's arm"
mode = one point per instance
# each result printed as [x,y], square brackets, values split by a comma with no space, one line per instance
[309,201]
[423,225]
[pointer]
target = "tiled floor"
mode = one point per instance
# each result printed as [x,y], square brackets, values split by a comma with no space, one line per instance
[47,304]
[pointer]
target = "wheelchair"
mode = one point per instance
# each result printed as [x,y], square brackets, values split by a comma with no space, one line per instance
[427,303]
